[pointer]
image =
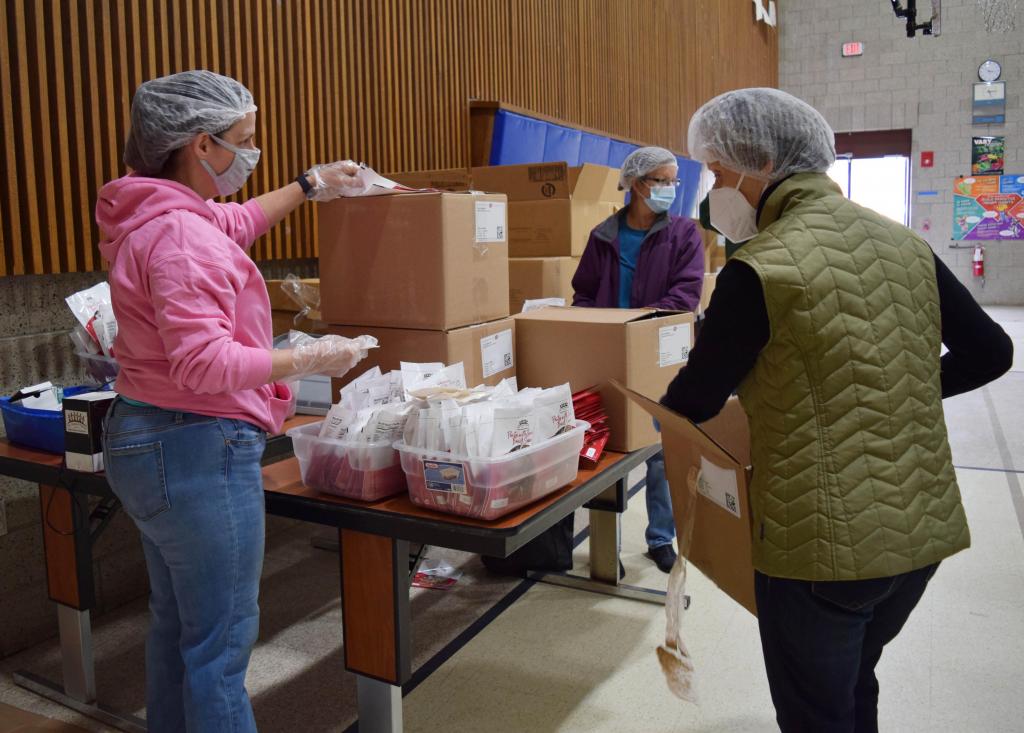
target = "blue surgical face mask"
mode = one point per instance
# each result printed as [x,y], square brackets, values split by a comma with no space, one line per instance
[238,172]
[661,198]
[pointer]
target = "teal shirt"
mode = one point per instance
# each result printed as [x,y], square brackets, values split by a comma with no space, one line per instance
[630,240]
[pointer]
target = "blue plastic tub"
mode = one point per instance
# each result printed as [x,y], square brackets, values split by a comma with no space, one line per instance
[39,429]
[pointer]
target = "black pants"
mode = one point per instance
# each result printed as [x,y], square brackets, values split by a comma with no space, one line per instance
[821,643]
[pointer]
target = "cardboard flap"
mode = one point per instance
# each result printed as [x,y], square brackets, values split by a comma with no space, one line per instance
[589,315]
[671,420]
[530,182]
[596,183]
[449,179]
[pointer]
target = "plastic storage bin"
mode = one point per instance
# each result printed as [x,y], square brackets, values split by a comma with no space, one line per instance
[366,471]
[488,488]
[100,368]
[39,429]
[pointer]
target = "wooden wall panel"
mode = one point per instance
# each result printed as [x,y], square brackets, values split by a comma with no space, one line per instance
[382,81]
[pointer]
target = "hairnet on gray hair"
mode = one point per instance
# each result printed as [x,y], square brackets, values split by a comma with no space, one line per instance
[641,162]
[168,112]
[764,132]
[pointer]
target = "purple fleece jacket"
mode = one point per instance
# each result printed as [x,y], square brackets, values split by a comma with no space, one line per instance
[669,269]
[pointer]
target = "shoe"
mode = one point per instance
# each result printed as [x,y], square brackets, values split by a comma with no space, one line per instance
[664,557]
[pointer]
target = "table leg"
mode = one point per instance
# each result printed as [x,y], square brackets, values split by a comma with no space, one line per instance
[376,624]
[76,653]
[380,706]
[605,536]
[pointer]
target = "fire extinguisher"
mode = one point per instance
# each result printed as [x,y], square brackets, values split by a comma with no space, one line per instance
[978,261]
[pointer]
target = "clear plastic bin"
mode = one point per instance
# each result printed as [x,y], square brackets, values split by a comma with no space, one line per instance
[488,488]
[366,471]
[102,369]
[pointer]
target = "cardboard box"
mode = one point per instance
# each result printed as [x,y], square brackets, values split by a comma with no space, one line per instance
[706,290]
[709,472]
[83,430]
[531,278]
[449,179]
[588,347]
[284,309]
[433,261]
[552,207]
[486,350]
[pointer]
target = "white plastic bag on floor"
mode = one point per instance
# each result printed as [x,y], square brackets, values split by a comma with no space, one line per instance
[673,656]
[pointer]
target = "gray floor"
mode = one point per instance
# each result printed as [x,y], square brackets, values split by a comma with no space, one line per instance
[561,660]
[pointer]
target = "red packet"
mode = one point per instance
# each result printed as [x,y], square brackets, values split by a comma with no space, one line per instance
[593,448]
[422,580]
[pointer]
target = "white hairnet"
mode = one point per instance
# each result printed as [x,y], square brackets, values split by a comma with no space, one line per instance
[764,132]
[168,112]
[641,162]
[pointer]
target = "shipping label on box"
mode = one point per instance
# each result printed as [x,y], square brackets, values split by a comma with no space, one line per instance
[674,344]
[717,452]
[496,353]
[491,221]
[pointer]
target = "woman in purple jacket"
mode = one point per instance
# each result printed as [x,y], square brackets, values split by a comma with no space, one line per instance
[643,257]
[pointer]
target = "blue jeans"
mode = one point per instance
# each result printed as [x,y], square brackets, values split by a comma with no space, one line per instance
[193,486]
[821,642]
[661,525]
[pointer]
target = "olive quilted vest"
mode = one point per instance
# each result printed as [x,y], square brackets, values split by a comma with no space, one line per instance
[853,476]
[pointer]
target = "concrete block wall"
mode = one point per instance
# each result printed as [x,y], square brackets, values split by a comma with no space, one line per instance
[923,84]
[34,346]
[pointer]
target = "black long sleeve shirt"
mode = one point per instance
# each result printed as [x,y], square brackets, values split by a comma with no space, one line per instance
[735,329]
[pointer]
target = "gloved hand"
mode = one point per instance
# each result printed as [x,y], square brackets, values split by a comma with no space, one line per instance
[330,180]
[330,355]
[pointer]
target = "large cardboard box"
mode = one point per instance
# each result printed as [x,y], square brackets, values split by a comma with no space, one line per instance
[487,350]
[552,207]
[588,347]
[448,179]
[530,278]
[284,310]
[709,472]
[434,261]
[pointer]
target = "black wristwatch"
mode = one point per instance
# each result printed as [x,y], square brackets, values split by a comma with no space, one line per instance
[304,184]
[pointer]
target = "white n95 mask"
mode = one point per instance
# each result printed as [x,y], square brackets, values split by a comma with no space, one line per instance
[242,166]
[731,214]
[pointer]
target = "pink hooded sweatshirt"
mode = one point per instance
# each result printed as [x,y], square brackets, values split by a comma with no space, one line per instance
[193,314]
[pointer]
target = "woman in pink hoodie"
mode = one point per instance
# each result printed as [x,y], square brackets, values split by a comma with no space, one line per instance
[199,384]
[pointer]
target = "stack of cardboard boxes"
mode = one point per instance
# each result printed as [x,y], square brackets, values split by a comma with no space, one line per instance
[552,208]
[426,274]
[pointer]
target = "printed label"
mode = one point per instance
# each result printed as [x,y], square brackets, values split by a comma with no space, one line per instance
[720,486]
[490,221]
[450,477]
[76,421]
[673,344]
[496,353]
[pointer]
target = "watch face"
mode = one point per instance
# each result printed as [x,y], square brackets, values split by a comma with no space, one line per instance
[989,71]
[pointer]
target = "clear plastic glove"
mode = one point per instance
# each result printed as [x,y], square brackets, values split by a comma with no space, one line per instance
[330,355]
[331,180]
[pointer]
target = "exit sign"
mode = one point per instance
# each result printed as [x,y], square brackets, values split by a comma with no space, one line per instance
[854,48]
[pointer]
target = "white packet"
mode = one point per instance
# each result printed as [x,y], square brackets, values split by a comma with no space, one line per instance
[479,426]
[553,413]
[512,428]
[386,424]
[452,426]
[337,423]
[449,377]
[350,393]
[537,304]
[397,390]
[414,373]
[85,305]
[106,328]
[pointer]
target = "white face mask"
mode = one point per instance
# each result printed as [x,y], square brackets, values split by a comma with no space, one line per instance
[731,214]
[238,172]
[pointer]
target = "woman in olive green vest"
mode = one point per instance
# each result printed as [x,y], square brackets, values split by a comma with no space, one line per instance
[829,320]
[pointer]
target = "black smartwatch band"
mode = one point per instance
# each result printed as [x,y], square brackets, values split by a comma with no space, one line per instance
[304,184]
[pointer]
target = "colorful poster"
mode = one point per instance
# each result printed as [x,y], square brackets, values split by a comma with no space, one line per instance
[988,208]
[987,155]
